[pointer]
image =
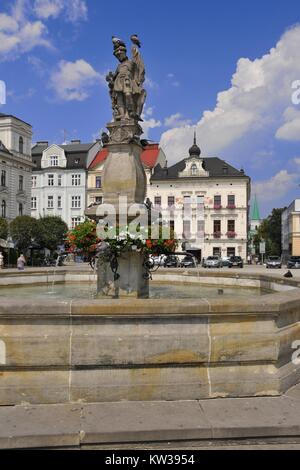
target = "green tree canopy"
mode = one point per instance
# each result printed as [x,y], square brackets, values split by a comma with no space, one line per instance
[52,232]
[270,231]
[3,228]
[24,230]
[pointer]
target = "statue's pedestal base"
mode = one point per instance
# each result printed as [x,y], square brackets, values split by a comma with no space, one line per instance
[131,283]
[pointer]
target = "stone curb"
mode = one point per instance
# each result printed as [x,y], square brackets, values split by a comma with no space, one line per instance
[41,426]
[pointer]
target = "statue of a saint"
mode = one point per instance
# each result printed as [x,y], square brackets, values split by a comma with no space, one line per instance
[126,84]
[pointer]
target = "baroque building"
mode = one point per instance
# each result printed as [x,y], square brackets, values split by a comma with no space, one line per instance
[207,201]
[59,180]
[15,166]
[290,229]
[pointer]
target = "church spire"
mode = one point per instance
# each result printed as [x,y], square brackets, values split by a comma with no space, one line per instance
[255,210]
[195,150]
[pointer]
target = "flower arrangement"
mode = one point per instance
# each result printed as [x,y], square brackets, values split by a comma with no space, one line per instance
[85,238]
[231,234]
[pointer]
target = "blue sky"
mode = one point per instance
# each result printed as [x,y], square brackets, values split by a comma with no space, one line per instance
[54,55]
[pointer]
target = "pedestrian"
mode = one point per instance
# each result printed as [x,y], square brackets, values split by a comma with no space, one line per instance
[21,261]
[1,261]
[249,259]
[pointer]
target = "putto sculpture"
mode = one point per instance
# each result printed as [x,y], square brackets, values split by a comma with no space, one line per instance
[126,91]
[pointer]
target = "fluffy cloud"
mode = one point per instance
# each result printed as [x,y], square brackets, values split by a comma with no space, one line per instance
[18,34]
[149,122]
[72,10]
[176,120]
[259,99]
[290,130]
[72,80]
[276,187]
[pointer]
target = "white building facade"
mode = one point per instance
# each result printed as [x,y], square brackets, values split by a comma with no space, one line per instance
[208,200]
[290,229]
[15,167]
[59,180]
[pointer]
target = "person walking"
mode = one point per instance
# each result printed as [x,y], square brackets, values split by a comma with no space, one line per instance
[1,261]
[21,261]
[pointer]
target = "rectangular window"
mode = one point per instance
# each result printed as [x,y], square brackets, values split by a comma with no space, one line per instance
[231,226]
[217,202]
[50,202]
[33,181]
[200,200]
[157,201]
[21,183]
[3,178]
[171,201]
[230,252]
[216,251]
[76,202]
[75,221]
[200,228]
[186,229]
[231,201]
[50,180]
[33,203]
[59,202]
[76,180]
[217,228]
[98,182]
[54,160]
[59,180]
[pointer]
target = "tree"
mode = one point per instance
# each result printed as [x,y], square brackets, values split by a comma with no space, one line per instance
[3,228]
[270,231]
[24,230]
[52,232]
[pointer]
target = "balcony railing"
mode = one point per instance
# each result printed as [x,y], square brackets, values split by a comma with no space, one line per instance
[217,234]
[231,206]
[217,206]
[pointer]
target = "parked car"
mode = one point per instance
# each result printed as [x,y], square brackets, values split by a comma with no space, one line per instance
[236,262]
[293,262]
[212,262]
[159,260]
[225,261]
[273,262]
[172,261]
[188,262]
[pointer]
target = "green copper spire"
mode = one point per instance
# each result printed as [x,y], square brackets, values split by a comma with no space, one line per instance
[255,210]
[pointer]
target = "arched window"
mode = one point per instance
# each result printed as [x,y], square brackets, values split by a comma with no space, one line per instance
[3,209]
[194,170]
[21,145]
[20,209]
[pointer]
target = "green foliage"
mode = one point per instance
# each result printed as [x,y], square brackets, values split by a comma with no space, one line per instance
[270,231]
[3,228]
[52,232]
[24,229]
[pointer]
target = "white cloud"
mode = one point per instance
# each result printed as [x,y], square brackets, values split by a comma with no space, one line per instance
[71,80]
[18,34]
[276,187]
[176,120]
[149,122]
[72,10]
[258,98]
[290,130]
[149,83]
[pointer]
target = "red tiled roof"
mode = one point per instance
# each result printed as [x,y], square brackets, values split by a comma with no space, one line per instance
[149,156]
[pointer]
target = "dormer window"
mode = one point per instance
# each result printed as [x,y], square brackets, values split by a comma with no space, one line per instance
[194,170]
[54,160]
[225,170]
[77,161]
[21,145]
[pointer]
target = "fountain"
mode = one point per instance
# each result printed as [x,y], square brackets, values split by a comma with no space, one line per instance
[124,345]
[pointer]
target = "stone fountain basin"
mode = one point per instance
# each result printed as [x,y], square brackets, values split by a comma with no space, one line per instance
[158,349]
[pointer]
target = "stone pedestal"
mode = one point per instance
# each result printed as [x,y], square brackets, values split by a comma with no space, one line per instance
[124,175]
[132,281]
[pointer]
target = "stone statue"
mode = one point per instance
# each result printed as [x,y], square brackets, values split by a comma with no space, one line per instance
[126,84]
